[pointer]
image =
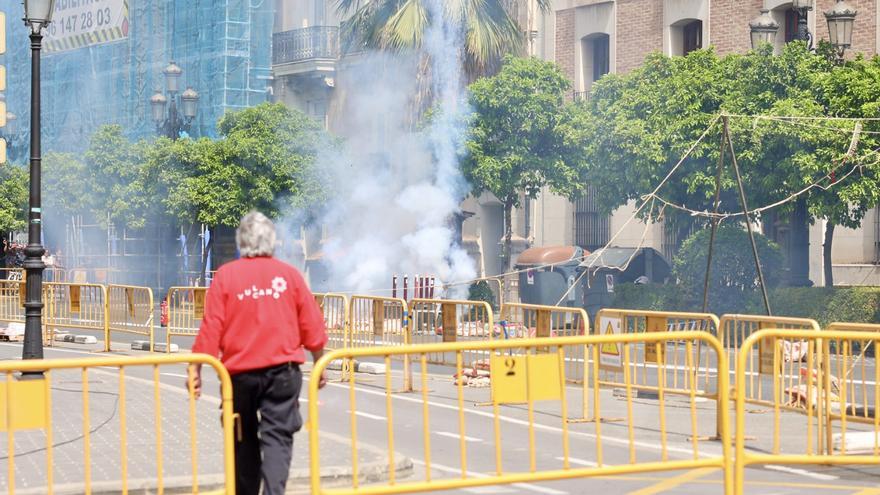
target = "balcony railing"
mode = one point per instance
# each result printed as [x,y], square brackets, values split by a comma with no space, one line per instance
[303,44]
[580,95]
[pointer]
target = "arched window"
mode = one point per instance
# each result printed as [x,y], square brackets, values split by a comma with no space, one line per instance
[685,36]
[596,50]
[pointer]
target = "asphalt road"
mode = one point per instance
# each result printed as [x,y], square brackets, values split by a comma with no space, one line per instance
[445,436]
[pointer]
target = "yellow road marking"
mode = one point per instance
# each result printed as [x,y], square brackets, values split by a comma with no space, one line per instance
[868,491]
[670,483]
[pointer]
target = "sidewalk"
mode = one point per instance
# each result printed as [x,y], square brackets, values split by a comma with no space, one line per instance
[105,440]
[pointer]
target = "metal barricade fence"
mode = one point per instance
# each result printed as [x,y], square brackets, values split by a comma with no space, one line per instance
[680,363]
[758,387]
[144,439]
[12,301]
[525,321]
[335,308]
[807,438]
[75,306]
[377,321]
[435,320]
[528,373]
[186,308]
[130,310]
[853,393]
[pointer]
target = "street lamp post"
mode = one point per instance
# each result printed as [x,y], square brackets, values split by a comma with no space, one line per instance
[803,8]
[175,121]
[37,15]
[840,19]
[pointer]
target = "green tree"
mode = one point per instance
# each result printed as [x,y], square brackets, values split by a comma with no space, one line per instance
[491,27]
[13,198]
[523,136]
[263,160]
[67,186]
[733,275]
[641,123]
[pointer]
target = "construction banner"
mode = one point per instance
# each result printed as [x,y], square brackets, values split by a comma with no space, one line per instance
[77,24]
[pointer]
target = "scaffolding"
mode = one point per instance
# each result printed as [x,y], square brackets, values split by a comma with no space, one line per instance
[223,46]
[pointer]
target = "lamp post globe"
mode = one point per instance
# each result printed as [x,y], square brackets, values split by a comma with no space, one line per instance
[840,19]
[172,77]
[189,101]
[763,29]
[38,13]
[158,102]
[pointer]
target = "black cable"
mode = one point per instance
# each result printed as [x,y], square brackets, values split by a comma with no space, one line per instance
[80,437]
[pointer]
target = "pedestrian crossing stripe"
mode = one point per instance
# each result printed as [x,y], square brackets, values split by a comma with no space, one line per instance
[610,348]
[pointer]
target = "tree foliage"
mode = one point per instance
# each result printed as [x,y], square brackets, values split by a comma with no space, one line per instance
[523,135]
[491,28]
[263,160]
[641,123]
[733,265]
[13,198]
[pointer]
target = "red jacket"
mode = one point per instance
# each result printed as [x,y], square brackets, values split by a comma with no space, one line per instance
[259,313]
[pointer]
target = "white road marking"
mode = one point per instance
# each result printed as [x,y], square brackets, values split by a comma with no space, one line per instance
[801,472]
[579,462]
[457,436]
[605,438]
[176,375]
[369,416]
[524,486]
[488,490]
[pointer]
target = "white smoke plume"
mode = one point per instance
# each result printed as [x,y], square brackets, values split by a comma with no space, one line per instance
[395,191]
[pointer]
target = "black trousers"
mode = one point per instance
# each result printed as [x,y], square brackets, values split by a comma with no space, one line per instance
[266,446]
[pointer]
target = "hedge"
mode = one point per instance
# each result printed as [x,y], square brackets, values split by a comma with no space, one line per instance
[824,304]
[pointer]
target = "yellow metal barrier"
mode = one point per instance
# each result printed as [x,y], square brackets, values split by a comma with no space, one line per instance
[335,308]
[130,310]
[186,308]
[800,439]
[435,320]
[734,331]
[377,321]
[27,409]
[854,383]
[12,301]
[524,321]
[77,306]
[524,371]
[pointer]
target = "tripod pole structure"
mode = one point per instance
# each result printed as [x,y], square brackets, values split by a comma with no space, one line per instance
[742,197]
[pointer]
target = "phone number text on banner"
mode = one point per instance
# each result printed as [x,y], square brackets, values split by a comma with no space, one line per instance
[79,23]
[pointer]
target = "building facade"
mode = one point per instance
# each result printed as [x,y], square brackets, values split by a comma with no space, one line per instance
[102,61]
[587,39]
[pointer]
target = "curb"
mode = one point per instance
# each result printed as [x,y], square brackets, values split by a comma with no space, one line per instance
[298,482]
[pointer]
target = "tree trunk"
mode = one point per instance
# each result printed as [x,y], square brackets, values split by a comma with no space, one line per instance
[508,235]
[826,254]
[799,251]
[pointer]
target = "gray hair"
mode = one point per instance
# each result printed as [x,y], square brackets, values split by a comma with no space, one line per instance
[255,236]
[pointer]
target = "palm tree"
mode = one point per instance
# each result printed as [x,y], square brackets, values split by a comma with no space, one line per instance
[491,27]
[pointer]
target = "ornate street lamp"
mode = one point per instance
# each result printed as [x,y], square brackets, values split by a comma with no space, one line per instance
[840,19]
[173,122]
[37,15]
[803,7]
[763,29]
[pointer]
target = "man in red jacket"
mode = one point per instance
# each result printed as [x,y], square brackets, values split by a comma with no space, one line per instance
[259,315]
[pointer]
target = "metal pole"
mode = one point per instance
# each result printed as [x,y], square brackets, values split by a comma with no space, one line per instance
[33,263]
[742,197]
[714,220]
